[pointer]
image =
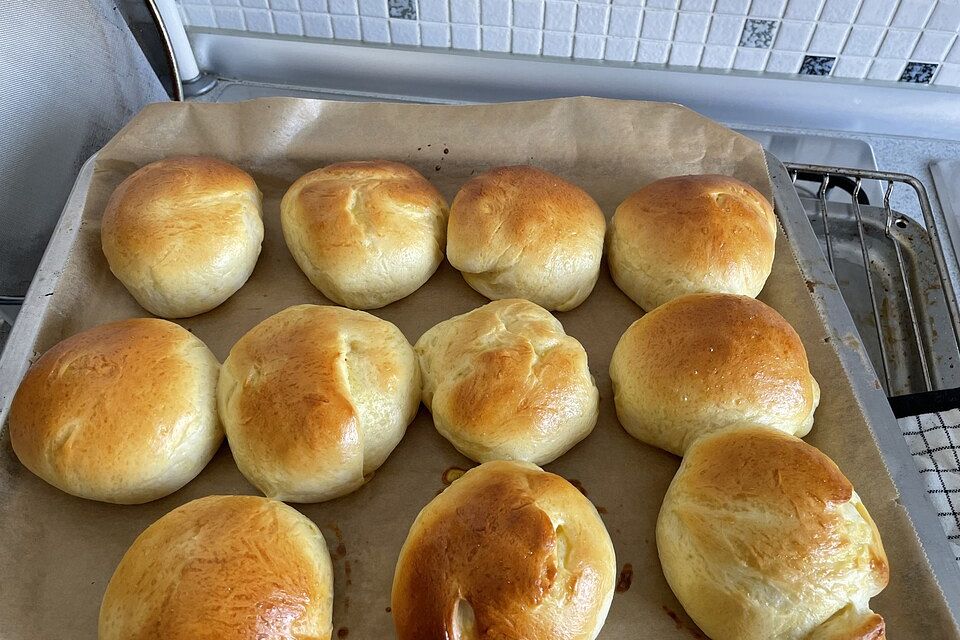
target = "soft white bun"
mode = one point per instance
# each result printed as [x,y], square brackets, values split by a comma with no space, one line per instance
[222,568]
[183,234]
[124,412]
[365,233]
[507,551]
[314,399]
[761,536]
[520,232]
[692,234]
[708,360]
[504,382]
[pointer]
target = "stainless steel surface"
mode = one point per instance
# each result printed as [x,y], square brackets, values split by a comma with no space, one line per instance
[892,273]
[840,326]
[441,75]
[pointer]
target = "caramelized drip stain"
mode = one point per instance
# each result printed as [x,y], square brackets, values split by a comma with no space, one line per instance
[625,579]
[389,609]
[578,485]
[601,509]
[343,632]
[681,624]
[346,570]
[451,474]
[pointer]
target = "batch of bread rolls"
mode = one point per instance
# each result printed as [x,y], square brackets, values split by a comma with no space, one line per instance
[760,535]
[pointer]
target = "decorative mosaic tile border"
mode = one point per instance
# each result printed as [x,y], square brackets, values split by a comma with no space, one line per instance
[910,41]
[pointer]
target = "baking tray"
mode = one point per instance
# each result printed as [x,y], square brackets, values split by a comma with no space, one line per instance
[58,552]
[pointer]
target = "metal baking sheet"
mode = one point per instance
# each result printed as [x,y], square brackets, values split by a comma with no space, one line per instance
[58,552]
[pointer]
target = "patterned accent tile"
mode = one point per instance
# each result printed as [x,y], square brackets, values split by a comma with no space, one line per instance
[557,44]
[624,21]
[828,38]
[685,54]
[528,14]
[717,57]
[526,41]
[876,12]
[653,51]
[592,19]
[784,62]
[692,27]
[588,46]
[433,34]
[918,72]
[794,36]
[405,9]
[864,40]
[495,39]
[816,65]
[620,49]
[758,33]
[725,30]
[852,67]
[465,36]
[749,59]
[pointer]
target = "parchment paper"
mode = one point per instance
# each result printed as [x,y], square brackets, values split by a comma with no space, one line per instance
[59,551]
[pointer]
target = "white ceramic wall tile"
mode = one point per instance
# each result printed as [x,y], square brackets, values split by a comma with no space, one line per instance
[465,11]
[592,18]
[378,8]
[899,43]
[885,69]
[864,40]
[717,57]
[557,44]
[949,75]
[495,39]
[588,46]
[945,17]
[346,27]
[232,18]
[429,10]
[840,11]
[625,22]
[912,14]
[803,9]
[828,38]
[657,25]
[692,27]
[374,29]
[725,30]
[685,54]
[846,39]
[465,36]
[767,8]
[784,61]
[877,12]
[316,25]
[933,46]
[527,14]
[852,67]
[260,20]
[750,59]
[735,7]
[653,51]
[526,41]
[560,16]
[495,13]
[620,49]
[794,36]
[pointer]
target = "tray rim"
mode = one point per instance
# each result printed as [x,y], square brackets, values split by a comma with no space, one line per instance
[18,354]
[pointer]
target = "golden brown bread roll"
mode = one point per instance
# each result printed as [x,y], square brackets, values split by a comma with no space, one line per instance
[692,234]
[521,232]
[125,412]
[762,537]
[183,234]
[222,568]
[504,382]
[705,361]
[314,399]
[507,551]
[365,233]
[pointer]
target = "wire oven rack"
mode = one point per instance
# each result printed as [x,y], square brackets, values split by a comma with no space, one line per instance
[893,275]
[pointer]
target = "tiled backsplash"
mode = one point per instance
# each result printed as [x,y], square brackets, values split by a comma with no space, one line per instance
[913,41]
